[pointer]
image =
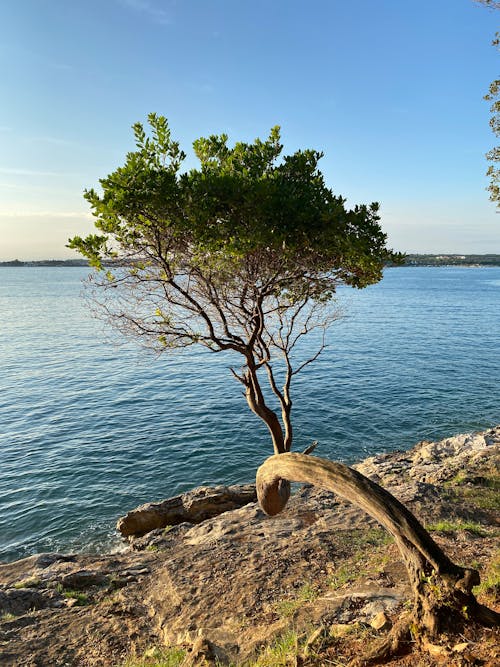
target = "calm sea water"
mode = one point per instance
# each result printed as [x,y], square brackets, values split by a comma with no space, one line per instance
[89,429]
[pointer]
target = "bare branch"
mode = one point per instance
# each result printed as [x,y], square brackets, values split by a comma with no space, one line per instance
[310,448]
[240,378]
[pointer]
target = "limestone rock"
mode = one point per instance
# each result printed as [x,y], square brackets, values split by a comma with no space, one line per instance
[339,630]
[460,648]
[19,601]
[44,560]
[221,581]
[192,507]
[202,654]
[82,579]
[381,621]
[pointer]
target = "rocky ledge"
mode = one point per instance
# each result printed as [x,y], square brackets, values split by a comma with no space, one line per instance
[220,586]
[193,507]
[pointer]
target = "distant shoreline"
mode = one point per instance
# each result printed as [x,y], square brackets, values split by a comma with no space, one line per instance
[452,260]
[410,260]
[45,262]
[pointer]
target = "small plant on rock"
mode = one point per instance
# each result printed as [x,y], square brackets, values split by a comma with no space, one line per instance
[30,582]
[158,657]
[81,598]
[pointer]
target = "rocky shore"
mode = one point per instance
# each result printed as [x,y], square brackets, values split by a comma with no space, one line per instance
[210,579]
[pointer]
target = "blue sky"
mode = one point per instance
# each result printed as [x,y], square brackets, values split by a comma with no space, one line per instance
[390,90]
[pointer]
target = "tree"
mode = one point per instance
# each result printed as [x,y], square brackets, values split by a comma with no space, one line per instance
[242,254]
[443,598]
[493,96]
[493,155]
[492,4]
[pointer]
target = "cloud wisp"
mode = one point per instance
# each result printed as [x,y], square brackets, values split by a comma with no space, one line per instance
[54,141]
[47,214]
[148,8]
[14,171]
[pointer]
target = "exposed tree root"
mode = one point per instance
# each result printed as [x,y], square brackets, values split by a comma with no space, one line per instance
[397,642]
[442,590]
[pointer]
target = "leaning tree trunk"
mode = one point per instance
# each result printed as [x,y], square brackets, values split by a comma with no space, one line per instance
[443,598]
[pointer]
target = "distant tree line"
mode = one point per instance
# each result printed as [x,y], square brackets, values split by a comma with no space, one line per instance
[409,260]
[46,262]
[452,260]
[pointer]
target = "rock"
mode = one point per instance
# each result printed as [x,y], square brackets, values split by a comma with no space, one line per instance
[378,601]
[134,573]
[338,630]
[201,655]
[83,579]
[194,507]
[460,648]
[223,579]
[381,622]
[19,601]
[430,462]
[161,538]
[44,560]
[314,638]
[436,650]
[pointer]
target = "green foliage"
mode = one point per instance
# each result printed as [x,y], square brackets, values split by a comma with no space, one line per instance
[452,260]
[490,579]
[454,526]
[158,657]
[241,253]
[363,561]
[239,201]
[31,582]
[7,617]
[481,490]
[369,537]
[288,607]
[493,155]
[81,598]
[345,574]
[493,96]
[282,653]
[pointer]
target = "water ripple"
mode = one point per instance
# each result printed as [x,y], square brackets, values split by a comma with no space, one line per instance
[90,430]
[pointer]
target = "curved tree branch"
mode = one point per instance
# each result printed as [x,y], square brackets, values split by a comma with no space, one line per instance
[442,590]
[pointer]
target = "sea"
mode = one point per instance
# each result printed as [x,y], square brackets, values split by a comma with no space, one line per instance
[93,425]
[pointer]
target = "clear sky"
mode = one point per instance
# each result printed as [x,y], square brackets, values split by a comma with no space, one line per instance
[390,90]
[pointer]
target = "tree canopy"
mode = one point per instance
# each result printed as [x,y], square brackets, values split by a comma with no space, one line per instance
[243,253]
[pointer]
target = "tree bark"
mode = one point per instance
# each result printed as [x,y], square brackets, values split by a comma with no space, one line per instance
[269,418]
[257,404]
[443,598]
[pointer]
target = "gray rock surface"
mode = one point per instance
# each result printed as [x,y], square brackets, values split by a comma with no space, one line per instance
[19,601]
[192,507]
[240,578]
[431,462]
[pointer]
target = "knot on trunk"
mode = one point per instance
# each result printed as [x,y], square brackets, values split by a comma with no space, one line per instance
[273,495]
